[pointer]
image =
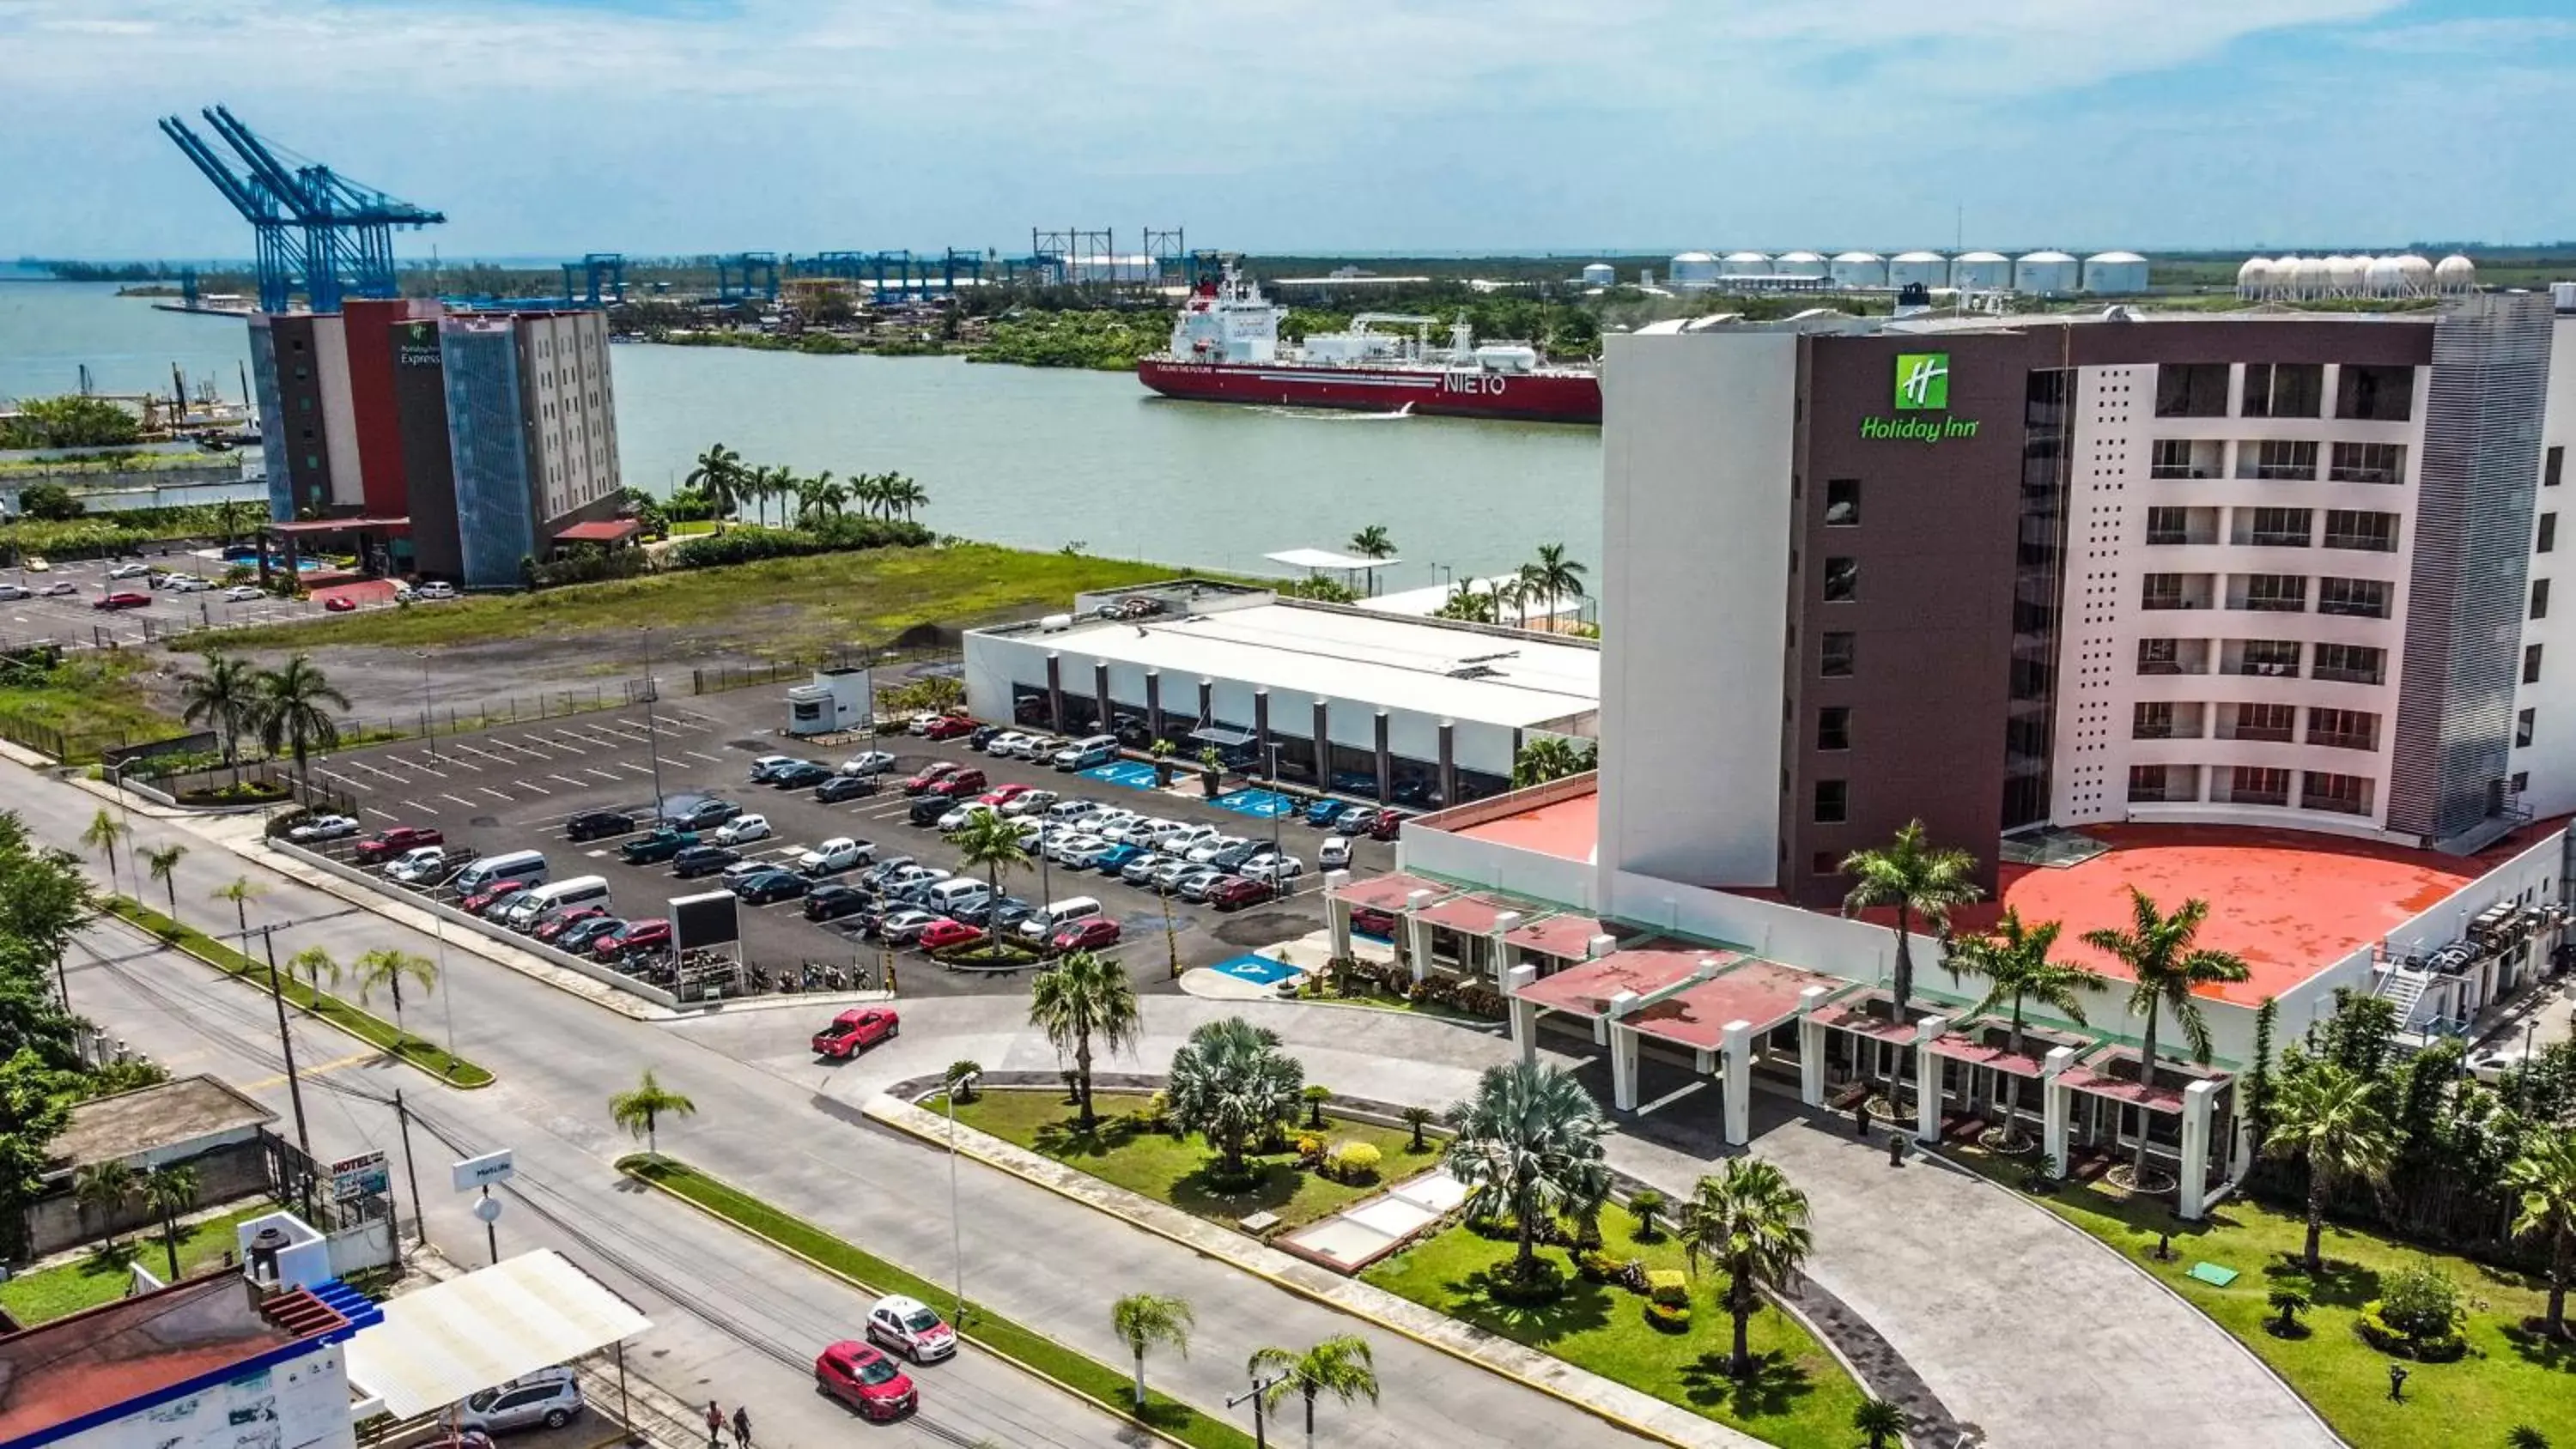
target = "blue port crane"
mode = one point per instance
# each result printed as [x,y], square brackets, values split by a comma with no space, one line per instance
[757,273]
[602,276]
[310,222]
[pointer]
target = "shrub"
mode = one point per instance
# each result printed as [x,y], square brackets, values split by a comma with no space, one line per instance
[1156,1114]
[1544,1284]
[2417,1314]
[1597,1266]
[1477,999]
[1646,1205]
[1669,1286]
[1355,1161]
[1671,1318]
[1310,1149]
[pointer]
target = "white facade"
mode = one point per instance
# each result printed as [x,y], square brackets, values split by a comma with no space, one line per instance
[1857,269]
[1747,264]
[1798,264]
[1693,269]
[339,413]
[2548,705]
[571,410]
[1600,274]
[302,1403]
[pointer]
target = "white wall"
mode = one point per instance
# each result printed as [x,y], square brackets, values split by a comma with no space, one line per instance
[339,414]
[1548,878]
[2550,760]
[1697,434]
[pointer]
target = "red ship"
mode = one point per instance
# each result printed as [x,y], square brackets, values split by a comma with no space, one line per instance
[1225,348]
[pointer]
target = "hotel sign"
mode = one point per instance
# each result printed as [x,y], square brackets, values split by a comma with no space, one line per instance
[418,346]
[1922,385]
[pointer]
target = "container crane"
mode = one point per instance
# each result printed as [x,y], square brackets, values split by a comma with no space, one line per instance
[310,221]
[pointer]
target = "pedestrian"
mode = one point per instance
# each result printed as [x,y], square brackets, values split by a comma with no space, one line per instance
[715,1426]
[1860,1119]
[741,1427]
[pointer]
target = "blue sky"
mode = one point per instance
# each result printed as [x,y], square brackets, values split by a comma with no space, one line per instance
[650,126]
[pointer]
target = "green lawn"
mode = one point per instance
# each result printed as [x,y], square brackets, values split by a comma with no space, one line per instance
[1109,1386]
[89,700]
[1797,1396]
[41,1297]
[777,607]
[1172,1169]
[2510,1377]
[356,1021]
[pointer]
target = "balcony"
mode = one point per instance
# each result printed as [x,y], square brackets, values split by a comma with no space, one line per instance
[2278,462]
[2270,734]
[2344,739]
[2173,656]
[2167,722]
[2176,526]
[2187,458]
[2178,591]
[2374,672]
[2268,593]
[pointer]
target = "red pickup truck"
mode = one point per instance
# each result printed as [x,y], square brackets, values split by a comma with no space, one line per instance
[388,844]
[856,1029]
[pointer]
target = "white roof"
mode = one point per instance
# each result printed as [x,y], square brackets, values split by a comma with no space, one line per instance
[1325,558]
[1303,653]
[493,1325]
[1422,603]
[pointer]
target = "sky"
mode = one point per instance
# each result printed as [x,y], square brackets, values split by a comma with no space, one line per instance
[653,127]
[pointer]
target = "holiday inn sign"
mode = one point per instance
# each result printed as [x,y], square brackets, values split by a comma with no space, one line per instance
[1922,386]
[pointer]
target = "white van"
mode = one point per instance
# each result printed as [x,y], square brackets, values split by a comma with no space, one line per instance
[1054,916]
[529,906]
[527,867]
[1083,754]
[951,896]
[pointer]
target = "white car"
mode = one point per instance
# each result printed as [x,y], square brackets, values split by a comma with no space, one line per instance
[1275,870]
[1169,874]
[547,1399]
[1160,833]
[908,1327]
[1030,802]
[243,594]
[744,829]
[1083,852]
[418,864]
[910,876]
[1210,848]
[188,584]
[837,854]
[956,819]
[60,587]
[1334,853]
[1005,744]
[868,762]
[129,571]
[12,593]
[920,724]
[1036,747]
[434,590]
[743,870]
[321,828]
[904,927]
[766,766]
[1086,811]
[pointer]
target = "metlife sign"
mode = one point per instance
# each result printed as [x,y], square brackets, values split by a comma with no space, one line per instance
[1922,385]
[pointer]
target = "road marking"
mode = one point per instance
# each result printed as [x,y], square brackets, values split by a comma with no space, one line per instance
[576,784]
[710,759]
[418,808]
[486,754]
[524,783]
[343,779]
[372,770]
[318,1069]
[495,794]
[603,774]
[596,854]
[631,765]
[380,815]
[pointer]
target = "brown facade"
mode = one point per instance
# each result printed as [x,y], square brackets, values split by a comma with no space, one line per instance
[299,386]
[428,471]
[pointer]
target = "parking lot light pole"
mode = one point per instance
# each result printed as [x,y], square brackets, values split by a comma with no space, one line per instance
[956,1233]
[652,696]
[428,721]
[1276,799]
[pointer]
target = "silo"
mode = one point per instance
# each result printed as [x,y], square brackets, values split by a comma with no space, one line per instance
[2455,273]
[1918,269]
[1746,264]
[2116,274]
[1694,270]
[1980,272]
[1600,274]
[2047,274]
[1857,269]
[1799,264]
[2254,277]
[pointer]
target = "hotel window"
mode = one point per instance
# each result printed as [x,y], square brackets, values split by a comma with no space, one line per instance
[2285,389]
[1842,580]
[2257,785]
[2168,591]
[2355,529]
[2278,459]
[2163,656]
[2275,593]
[2353,598]
[2343,729]
[2168,525]
[2280,528]
[2367,463]
[2524,722]
[2180,458]
[2540,598]
[2163,784]
[2548,533]
[2531,664]
[2375,394]
[1832,801]
[2164,721]
[2267,722]
[1838,651]
[1842,502]
[1833,727]
[2268,658]
[2341,794]
[2350,664]
[2553,466]
[2191,390]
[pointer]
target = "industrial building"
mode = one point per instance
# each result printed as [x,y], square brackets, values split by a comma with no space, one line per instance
[1412,710]
[2040,273]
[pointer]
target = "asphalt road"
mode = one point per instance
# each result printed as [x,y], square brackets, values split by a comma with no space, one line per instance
[514,787]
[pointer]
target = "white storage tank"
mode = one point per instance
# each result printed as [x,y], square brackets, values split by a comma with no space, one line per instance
[1747,264]
[2345,276]
[2116,274]
[2047,274]
[1981,272]
[2384,277]
[1918,269]
[2562,296]
[2253,277]
[1799,264]
[2415,275]
[1600,274]
[2455,273]
[2311,277]
[1694,269]
[1857,269]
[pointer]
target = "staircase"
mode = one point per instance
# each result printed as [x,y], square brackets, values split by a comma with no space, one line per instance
[2404,990]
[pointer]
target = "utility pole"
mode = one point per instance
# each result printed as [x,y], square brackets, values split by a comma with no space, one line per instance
[652,738]
[428,720]
[1260,1389]
[286,1041]
[419,1220]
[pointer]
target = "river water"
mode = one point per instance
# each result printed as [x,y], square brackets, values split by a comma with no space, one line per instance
[1030,456]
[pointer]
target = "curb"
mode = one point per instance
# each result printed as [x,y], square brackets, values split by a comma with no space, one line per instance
[876,1110]
[1124,1416]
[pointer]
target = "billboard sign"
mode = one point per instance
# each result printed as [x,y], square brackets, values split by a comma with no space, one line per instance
[477,1173]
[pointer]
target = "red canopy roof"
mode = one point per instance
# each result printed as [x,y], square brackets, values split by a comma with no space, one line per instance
[599,530]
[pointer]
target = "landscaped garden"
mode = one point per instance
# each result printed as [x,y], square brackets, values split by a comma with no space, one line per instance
[102,1276]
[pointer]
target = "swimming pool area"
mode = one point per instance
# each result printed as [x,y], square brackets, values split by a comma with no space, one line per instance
[1259,970]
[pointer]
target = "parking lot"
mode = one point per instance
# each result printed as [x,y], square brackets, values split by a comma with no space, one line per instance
[68,618]
[514,787]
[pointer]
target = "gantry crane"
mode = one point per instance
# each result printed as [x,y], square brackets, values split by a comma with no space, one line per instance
[310,222]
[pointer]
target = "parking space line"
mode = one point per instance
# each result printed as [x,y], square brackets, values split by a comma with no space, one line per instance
[631,765]
[417,765]
[603,774]
[529,784]
[459,799]
[372,770]
[381,815]
[710,759]
[344,780]
[418,808]
[486,754]
[495,794]
[451,762]
[530,746]
[576,784]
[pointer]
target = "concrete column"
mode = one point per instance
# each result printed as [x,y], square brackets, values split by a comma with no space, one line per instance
[2240,1155]
[1500,957]
[1703,1061]
[1154,702]
[2056,1103]
[1927,1080]
[1100,697]
[1596,947]
[1385,762]
[1261,729]
[1448,782]
[1337,912]
[1055,691]
[1811,1048]
[1524,1013]
[1739,1083]
[1623,1053]
[2197,1101]
[1323,728]
[1601,1031]
[1417,933]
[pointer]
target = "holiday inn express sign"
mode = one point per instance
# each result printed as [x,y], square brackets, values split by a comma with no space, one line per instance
[1922,386]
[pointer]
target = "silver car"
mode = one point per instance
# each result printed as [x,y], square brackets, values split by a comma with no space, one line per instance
[546,1399]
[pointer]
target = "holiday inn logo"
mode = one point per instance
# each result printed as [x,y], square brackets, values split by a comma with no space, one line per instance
[1922,382]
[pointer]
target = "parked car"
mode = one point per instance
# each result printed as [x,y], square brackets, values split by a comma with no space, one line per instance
[1354,819]
[1186,839]
[1388,825]
[547,1399]
[1198,883]
[1206,851]
[578,936]
[929,775]
[386,844]
[707,814]
[1278,870]
[130,571]
[875,876]
[1115,856]
[1238,891]
[928,810]
[323,827]
[956,816]
[744,829]
[982,736]
[1085,853]
[948,932]
[911,876]
[770,886]
[434,590]
[635,938]
[243,594]
[831,902]
[960,784]
[1088,935]
[800,775]
[845,787]
[1322,810]
[1236,857]
[123,600]
[1004,745]
[598,825]
[663,844]
[866,1380]
[742,870]
[189,584]
[907,1326]
[700,860]
[982,912]
[1167,876]
[949,727]
[1001,795]
[1140,871]
[12,593]
[551,927]
[1334,853]
[1009,914]
[339,604]
[766,768]
[420,865]
[835,855]
[855,1030]
[1368,922]
[1029,802]
[905,926]
[495,894]
[868,762]
[58,587]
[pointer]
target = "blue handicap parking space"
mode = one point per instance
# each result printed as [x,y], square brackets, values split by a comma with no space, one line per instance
[1259,970]
[1258,803]
[1130,773]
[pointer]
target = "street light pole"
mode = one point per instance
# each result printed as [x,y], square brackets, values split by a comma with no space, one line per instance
[428,721]
[1260,1388]
[1276,799]
[957,1233]
[652,696]
[286,1042]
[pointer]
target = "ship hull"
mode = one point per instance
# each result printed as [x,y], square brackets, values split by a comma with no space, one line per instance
[1527,397]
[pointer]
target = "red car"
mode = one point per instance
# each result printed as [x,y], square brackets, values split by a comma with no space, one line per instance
[1380,924]
[1239,892]
[339,604]
[124,600]
[1001,795]
[865,1379]
[653,933]
[949,727]
[959,785]
[555,925]
[491,895]
[1088,935]
[1387,826]
[944,932]
[385,845]
[930,775]
[858,1028]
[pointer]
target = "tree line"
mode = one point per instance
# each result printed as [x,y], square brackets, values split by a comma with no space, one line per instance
[721,486]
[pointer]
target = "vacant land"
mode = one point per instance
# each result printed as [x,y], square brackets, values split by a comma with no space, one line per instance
[90,700]
[35,1298]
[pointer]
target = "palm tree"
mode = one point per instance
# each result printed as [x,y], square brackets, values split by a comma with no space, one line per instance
[237,516]
[1748,1220]
[107,1187]
[2162,960]
[168,1192]
[2328,1115]
[241,890]
[1556,576]
[641,1111]
[316,966]
[719,476]
[903,496]
[1144,1320]
[102,835]
[223,697]
[1466,603]
[161,862]
[2015,962]
[1341,1366]
[388,967]
[2523,1436]
[1531,591]
[2545,1176]
[1544,758]
[1878,1421]
[1373,542]
[809,500]
[1230,1082]
[830,495]
[1081,997]
[1528,1144]
[291,716]
[990,843]
[2289,1302]
[959,1079]
[1919,879]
